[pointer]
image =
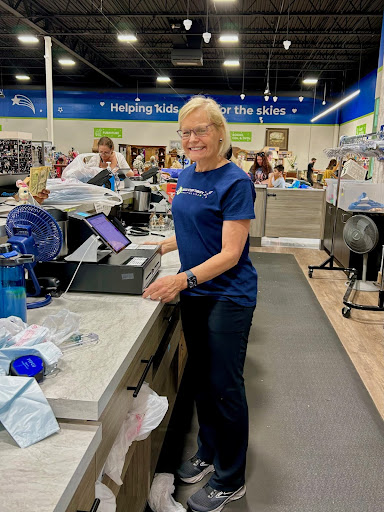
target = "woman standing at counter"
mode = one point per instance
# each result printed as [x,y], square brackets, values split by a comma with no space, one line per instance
[261,169]
[106,154]
[212,209]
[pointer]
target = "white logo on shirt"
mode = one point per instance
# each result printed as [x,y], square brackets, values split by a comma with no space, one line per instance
[194,192]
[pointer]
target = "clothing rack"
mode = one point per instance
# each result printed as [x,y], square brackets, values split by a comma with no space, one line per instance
[370,145]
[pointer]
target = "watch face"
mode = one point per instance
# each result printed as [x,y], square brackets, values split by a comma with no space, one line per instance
[192,282]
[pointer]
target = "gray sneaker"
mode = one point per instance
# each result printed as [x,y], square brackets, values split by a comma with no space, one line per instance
[211,500]
[193,470]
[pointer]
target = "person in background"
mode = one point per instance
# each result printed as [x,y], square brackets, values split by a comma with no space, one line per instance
[260,169]
[277,179]
[310,170]
[106,153]
[217,282]
[269,155]
[331,169]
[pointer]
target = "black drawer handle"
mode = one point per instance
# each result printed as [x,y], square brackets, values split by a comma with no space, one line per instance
[271,195]
[142,378]
[94,507]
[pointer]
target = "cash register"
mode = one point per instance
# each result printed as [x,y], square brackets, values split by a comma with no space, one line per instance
[107,261]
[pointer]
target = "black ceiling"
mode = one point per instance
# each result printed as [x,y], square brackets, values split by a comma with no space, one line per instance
[332,39]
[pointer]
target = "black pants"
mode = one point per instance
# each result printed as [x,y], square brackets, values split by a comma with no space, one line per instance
[310,177]
[216,333]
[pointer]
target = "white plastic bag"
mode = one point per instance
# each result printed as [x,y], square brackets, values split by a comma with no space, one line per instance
[106,497]
[156,409]
[9,327]
[61,326]
[73,191]
[160,496]
[147,413]
[80,169]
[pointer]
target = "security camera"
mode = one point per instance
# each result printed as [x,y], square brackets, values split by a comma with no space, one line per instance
[207,37]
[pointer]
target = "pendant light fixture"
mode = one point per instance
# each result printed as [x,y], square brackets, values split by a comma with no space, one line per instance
[187,22]
[207,35]
[287,43]
[325,92]
[267,92]
[137,91]
[275,97]
[242,95]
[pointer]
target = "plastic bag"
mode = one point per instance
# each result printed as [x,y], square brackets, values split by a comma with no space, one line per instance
[80,169]
[24,411]
[106,497]
[61,326]
[9,327]
[73,191]
[147,413]
[160,496]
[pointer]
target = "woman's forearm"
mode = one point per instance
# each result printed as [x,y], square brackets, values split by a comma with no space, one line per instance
[168,245]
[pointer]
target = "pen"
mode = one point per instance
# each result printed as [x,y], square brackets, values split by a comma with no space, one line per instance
[157,234]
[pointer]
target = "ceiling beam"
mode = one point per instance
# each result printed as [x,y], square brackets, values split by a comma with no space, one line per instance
[15,13]
[181,15]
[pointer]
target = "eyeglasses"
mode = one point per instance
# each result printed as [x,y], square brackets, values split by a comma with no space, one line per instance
[105,152]
[260,154]
[199,131]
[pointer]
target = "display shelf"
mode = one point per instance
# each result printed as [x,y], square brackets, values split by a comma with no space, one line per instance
[15,155]
[147,151]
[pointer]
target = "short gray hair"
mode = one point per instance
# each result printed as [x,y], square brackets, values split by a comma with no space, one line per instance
[213,110]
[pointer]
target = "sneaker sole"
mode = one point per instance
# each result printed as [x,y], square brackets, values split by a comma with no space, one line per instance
[200,476]
[239,494]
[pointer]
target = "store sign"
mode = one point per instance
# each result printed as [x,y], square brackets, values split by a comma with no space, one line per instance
[121,106]
[113,133]
[241,136]
[361,129]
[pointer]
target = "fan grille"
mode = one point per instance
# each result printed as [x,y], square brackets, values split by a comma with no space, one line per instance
[45,230]
[360,234]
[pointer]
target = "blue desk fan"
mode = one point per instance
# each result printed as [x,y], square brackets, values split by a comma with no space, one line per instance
[32,230]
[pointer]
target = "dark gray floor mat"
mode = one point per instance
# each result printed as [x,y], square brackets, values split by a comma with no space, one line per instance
[316,438]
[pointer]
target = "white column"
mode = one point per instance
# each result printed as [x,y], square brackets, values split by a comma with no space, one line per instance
[49,86]
[336,135]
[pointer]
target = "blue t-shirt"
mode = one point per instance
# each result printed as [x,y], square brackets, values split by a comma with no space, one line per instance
[202,202]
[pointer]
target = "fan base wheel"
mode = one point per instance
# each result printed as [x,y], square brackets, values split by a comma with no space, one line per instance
[346,312]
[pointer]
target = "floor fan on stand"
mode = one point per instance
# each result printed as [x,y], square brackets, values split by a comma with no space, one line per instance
[361,235]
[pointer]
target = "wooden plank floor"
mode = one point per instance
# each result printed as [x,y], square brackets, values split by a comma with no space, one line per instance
[362,334]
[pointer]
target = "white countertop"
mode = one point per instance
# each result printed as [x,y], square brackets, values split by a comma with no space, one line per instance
[45,476]
[90,375]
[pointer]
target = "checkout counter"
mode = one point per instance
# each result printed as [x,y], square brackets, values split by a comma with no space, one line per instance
[291,213]
[90,399]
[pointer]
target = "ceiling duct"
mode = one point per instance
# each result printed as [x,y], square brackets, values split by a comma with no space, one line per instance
[187,57]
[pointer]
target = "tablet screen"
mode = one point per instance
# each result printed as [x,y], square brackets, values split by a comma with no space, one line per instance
[108,232]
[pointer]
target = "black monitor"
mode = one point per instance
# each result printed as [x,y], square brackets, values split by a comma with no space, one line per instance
[109,233]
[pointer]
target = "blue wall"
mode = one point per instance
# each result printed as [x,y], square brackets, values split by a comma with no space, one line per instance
[364,103]
[154,107]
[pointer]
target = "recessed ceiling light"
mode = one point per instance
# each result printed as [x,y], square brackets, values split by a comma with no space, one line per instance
[163,79]
[310,81]
[28,39]
[127,38]
[231,62]
[229,38]
[67,62]
[22,77]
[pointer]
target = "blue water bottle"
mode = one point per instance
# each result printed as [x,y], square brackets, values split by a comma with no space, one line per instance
[13,297]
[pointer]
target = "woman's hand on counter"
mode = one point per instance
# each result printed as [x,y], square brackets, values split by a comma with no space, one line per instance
[165,289]
[167,245]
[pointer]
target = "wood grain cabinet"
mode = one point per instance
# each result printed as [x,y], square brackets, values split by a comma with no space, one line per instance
[167,346]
